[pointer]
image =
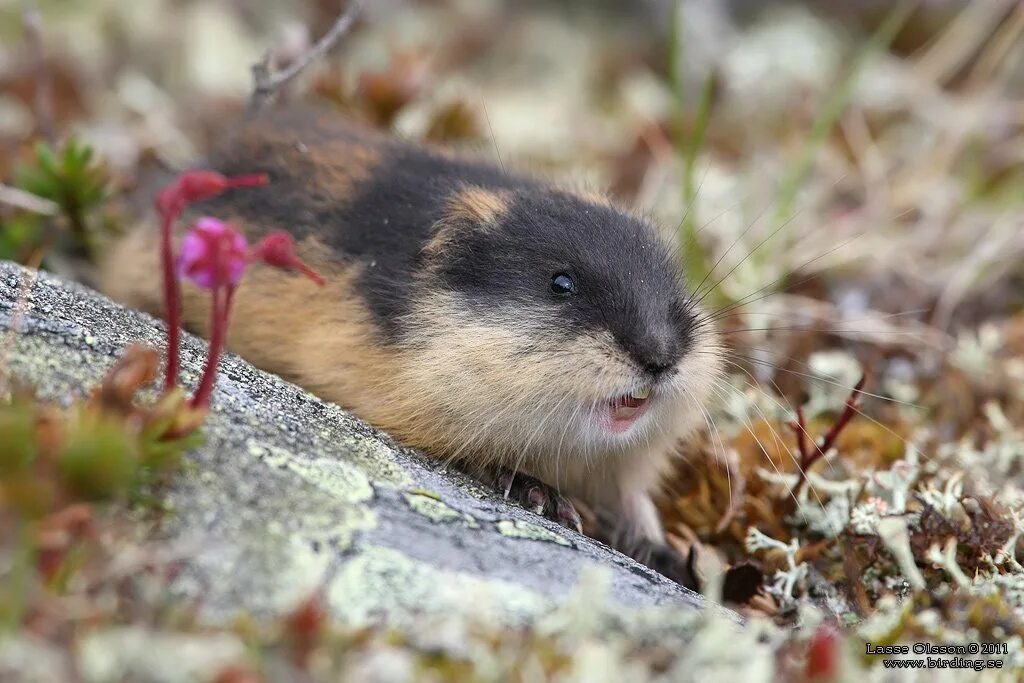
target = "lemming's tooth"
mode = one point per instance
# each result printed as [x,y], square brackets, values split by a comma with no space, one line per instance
[641,394]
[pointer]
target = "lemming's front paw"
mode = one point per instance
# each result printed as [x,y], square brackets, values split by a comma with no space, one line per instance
[535,495]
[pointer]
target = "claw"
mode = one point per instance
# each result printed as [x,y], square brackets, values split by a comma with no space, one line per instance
[567,516]
[538,497]
[503,481]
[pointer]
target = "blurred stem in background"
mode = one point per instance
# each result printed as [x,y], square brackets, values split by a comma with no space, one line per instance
[695,259]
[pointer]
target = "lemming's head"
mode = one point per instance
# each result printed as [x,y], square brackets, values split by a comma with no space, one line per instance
[558,323]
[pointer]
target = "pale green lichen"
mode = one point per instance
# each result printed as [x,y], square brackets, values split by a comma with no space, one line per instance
[270,569]
[839,372]
[785,581]
[341,480]
[372,456]
[385,584]
[338,530]
[515,528]
[975,350]
[438,511]
[32,358]
[722,651]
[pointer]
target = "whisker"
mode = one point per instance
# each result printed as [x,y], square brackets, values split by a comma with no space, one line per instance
[746,425]
[800,316]
[825,330]
[908,445]
[768,364]
[744,259]
[784,409]
[716,444]
[494,140]
[716,315]
[736,241]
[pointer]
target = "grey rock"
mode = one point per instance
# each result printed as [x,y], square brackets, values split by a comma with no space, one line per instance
[289,494]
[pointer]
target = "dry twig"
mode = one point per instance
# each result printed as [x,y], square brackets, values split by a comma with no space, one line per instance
[265,83]
[26,201]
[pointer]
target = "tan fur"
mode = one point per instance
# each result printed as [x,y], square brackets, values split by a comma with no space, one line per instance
[479,205]
[471,392]
[590,196]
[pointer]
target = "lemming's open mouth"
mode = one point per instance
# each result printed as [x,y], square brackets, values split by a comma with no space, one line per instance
[624,410]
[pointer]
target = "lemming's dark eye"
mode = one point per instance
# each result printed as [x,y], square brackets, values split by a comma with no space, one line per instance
[562,284]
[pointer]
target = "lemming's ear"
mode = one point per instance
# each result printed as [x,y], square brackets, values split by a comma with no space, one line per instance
[477,204]
[471,208]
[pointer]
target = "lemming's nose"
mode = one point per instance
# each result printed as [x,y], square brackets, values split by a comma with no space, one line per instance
[655,352]
[657,368]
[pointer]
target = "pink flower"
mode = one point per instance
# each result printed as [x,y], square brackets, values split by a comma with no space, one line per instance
[190,186]
[212,254]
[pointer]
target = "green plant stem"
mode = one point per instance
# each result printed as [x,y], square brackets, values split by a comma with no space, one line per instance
[834,106]
[695,261]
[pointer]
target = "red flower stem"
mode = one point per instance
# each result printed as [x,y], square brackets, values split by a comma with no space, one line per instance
[309,272]
[248,180]
[809,457]
[172,299]
[849,410]
[191,186]
[220,312]
[800,427]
